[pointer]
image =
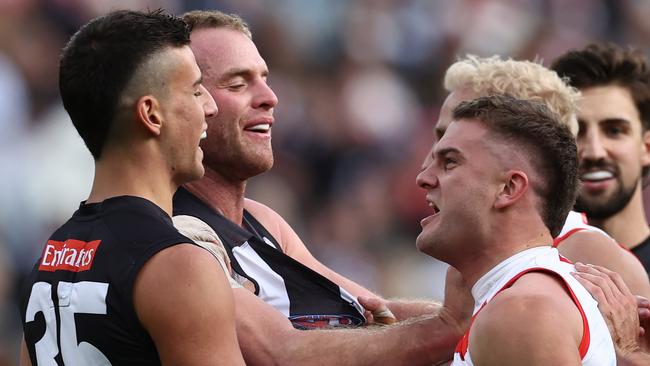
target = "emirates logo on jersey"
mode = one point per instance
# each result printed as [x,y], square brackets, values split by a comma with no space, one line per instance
[70,255]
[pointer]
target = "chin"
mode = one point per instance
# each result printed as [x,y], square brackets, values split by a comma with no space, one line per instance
[423,243]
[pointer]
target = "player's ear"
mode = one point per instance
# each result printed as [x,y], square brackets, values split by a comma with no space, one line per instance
[515,184]
[149,114]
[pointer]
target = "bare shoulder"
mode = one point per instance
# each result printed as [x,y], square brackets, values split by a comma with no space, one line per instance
[260,210]
[278,227]
[597,243]
[187,278]
[535,322]
[595,248]
[271,220]
[177,270]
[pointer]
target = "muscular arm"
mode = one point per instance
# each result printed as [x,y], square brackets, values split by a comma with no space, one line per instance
[595,248]
[268,338]
[183,300]
[532,323]
[294,247]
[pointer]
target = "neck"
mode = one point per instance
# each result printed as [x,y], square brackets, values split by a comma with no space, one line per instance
[506,241]
[120,174]
[628,226]
[223,195]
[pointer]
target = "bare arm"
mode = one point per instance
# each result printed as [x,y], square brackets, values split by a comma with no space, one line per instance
[533,323]
[184,301]
[619,308]
[24,355]
[294,247]
[268,338]
[595,248]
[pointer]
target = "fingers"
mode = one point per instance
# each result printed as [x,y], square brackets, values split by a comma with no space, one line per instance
[643,306]
[378,309]
[617,305]
[614,276]
[606,281]
[370,303]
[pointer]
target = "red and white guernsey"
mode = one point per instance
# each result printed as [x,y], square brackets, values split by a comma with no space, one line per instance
[575,222]
[596,347]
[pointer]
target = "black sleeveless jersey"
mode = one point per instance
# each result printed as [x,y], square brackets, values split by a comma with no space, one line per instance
[642,251]
[77,308]
[307,298]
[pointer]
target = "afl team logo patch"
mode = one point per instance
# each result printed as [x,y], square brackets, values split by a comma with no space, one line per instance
[306,322]
[70,255]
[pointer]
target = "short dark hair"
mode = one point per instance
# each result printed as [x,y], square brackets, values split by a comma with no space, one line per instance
[546,142]
[101,58]
[600,64]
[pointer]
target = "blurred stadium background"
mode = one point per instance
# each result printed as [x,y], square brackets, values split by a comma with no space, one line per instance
[359,84]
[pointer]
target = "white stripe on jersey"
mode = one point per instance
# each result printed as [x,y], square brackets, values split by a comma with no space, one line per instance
[271,285]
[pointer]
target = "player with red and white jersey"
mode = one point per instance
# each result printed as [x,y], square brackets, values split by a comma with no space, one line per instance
[595,347]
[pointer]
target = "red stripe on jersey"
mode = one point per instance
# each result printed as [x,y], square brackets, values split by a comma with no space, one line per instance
[559,239]
[463,344]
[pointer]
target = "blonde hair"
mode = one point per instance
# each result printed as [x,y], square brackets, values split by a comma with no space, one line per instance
[525,80]
[197,19]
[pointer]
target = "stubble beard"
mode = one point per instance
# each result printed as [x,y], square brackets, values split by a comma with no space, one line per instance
[611,206]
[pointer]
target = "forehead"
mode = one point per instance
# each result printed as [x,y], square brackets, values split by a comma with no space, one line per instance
[451,102]
[468,136]
[219,49]
[607,102]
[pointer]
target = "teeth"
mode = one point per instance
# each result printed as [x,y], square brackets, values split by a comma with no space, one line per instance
[204,135]
[264,127]
[597,175]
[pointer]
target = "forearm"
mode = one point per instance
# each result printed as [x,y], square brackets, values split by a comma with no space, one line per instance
[406,308]
[420,341]
[266,337]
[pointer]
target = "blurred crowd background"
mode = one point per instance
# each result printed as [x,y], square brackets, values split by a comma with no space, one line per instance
[359,83]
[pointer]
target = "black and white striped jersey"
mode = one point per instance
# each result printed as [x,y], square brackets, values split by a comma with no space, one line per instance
[307,298]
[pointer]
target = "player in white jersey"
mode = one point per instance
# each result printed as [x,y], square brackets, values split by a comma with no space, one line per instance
[472,77]
[501,182]
[595,348]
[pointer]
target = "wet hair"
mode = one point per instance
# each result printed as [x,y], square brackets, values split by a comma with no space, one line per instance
[525,80]
[548,145]
[100,60]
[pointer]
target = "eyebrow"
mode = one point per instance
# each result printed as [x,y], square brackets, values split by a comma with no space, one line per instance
[446,151]
[609,120]
[198,81]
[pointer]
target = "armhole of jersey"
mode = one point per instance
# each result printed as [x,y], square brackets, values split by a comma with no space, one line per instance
[557,241]
[463,345]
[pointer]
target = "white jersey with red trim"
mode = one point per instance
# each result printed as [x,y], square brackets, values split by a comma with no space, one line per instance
[575,222]
[596,347]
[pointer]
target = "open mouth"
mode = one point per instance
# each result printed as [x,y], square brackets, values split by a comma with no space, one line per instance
[435,208]
[204,135]
[596,176]
[259,128]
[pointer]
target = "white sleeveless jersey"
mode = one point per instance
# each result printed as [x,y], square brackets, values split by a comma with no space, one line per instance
[575,222]
[596,347]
